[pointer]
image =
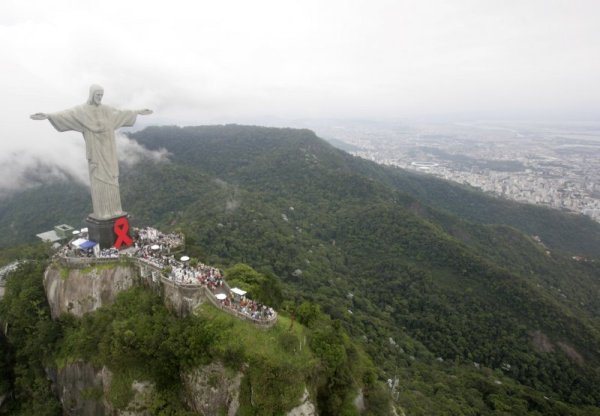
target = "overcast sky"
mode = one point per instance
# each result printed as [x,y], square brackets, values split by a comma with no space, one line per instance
[247,61]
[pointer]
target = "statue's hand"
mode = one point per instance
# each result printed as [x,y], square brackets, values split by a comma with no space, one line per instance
[145,112]
[39,116]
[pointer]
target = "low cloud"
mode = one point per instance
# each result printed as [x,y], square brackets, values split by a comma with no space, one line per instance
[23,168]
[131,152]
[24,171]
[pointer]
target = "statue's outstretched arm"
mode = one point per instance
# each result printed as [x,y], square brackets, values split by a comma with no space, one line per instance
[144,112]
[39,116]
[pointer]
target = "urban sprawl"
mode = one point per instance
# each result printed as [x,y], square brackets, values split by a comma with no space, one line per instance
[552,165]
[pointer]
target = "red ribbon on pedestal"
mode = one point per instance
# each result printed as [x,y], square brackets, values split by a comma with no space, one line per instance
[121,228]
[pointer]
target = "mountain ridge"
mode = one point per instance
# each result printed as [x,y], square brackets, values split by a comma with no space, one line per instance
[456,199]
[384,252]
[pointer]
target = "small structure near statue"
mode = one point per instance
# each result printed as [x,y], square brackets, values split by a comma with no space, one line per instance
[58,233]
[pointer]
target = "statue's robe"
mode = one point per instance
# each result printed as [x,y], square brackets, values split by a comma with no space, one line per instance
[98,124]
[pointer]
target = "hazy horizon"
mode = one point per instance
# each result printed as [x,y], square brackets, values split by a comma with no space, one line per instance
[277,62]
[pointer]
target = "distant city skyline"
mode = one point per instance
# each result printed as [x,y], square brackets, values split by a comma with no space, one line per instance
[545,164]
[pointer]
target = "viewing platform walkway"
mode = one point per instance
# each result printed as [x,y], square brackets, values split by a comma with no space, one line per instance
[183,285]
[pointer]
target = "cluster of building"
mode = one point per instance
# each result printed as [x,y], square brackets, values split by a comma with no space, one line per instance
[553,190]
[545,164]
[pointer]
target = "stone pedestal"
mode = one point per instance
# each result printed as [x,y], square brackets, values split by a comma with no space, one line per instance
[103,231]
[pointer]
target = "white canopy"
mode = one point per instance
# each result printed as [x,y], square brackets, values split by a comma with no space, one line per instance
[184,258]
[155,247]
[221,296]
[78,242]
[238,291]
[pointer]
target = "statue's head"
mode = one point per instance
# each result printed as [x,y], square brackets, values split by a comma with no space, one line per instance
[96,94]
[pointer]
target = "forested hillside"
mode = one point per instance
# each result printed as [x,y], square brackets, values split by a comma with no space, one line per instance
[137,338]
[445,287]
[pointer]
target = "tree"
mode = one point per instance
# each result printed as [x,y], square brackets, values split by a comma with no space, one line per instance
[263,288]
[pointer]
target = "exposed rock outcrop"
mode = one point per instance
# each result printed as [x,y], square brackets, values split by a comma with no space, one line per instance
[182,300]
[212,388]
[83,391]
[79,291]
[359,401]
[80,388]
[306,408]
[542,343]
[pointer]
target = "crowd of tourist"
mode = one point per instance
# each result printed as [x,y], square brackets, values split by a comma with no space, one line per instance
[250,308]
[183,273]
[151,237]
[111,253]
[69,250]
[157,249]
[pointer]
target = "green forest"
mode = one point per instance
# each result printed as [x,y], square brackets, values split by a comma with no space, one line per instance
[459,303]
[137,338]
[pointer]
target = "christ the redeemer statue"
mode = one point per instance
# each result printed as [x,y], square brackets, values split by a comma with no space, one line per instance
[98,122]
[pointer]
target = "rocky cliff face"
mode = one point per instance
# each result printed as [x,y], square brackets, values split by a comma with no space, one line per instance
[83,390]
[306,407]
[208,390]
[213,388]
[80,389]
[79,291]
[182,300]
